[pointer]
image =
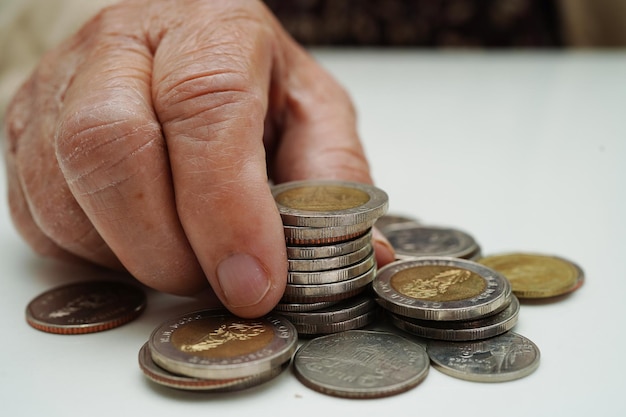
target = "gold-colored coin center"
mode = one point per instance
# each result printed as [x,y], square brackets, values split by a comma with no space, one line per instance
[222,338]
[438,283]
[322,198]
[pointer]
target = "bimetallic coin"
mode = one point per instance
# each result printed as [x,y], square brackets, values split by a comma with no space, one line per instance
[341,311]
[361,364]
[335,262]
[440,288]
[326,203]
[85,307]
[332,275]
[327,251]
[162,377]
[297,235]
[335,291]
[212,344]
[417,241]
[502,358]
[537,276]
[482,328]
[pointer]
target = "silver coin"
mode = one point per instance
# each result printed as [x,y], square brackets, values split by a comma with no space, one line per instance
[332,275]
[213,344]
[282,307]
[361,364]
[325,203]
[327,251]
[411,241]
[440,288]
[353,323]
[483,328]
[335,291]
[341,311]
[393,219]
[85,307]
[163,377]
[502,358]
[335,262]
[300,235]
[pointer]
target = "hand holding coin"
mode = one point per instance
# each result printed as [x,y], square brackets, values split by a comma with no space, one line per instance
[144,144]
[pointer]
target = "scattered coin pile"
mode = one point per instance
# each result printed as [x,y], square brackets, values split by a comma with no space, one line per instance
[212,350]
[331,260]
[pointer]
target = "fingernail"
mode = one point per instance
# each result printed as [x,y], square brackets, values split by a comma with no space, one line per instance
[384,251]
[243,280]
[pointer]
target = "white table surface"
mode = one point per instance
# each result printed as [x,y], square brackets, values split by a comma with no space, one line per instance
[527,152]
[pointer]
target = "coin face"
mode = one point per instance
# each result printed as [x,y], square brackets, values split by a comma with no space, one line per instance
[213,344]
[328,203]
[502,358]
[537,276]
[440,288]
[418,240]
[361,364]
[162,377]
[463,330]
[85,307]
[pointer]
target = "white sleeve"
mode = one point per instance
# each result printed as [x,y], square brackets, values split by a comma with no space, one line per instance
[28,28]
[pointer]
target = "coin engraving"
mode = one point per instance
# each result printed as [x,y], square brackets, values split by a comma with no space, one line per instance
[438,283]
[322,198]
[195,338]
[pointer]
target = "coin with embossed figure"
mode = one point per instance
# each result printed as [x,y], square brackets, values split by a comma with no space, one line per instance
[212,344]
[410,241]
[85,307]
[163,377]
[482,328]
[440,288]
[502,358]
[329,203]
[535,275]
[361,364]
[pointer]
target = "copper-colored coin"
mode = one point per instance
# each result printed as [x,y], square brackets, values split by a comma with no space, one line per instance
[163,377]
[212,344]
[537,276]
[85,307]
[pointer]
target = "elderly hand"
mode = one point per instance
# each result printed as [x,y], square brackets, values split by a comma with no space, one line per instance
[145,142]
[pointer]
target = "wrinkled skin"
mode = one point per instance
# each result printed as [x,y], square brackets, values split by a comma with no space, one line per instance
[144,143]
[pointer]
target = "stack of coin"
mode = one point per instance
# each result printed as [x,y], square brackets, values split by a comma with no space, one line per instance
[412,240]
[331,259]
[446,298]
[212,350]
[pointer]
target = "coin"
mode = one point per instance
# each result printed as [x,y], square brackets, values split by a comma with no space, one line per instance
[85,307]
[334,262]
[340,311]
[327,251]
[537,276]
[361,364]
[299,235]
[410,241]
[302,307]
[213,344]
[393,219]
[163,377]
[334,291]
[502,358]
[329,203]
[353,323]
[332,275]
[440,288]
[482,328]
